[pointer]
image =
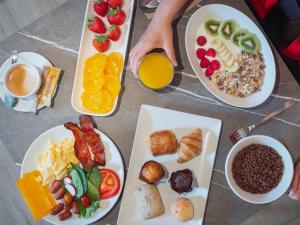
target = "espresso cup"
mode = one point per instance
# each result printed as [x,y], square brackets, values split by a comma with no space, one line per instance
[21,80]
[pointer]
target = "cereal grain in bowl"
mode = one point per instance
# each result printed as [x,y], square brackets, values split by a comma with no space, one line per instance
[257,168]
[247,80]
[272,191]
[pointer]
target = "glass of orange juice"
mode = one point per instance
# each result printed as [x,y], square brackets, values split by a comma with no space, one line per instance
[156,71]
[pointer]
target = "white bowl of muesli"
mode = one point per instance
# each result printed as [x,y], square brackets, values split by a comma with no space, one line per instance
[259,169]
[230,55]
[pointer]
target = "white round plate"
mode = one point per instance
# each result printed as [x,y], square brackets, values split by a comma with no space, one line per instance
[35,59]
[222,12]
[285,181]
[113,160]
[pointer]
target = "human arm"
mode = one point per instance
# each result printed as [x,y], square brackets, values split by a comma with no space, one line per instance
[295,186]
[159,33]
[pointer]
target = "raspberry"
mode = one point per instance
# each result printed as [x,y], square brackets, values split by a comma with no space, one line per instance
[204,63]
[201,52]
[215,64]
[211,52]
[201,40]
[209,71]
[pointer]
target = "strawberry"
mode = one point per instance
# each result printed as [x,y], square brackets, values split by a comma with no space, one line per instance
[96,25]
[101,43]
[204,63]
[115,3]
[201,52]
[201,40]
[209,71]
[215,64]
[100,7]
[116,16]
[113,33]
[211,52]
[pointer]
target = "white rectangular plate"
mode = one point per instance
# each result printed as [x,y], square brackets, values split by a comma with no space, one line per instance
[153,119]
[86,50]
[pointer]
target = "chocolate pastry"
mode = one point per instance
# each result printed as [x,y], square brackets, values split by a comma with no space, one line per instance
[181,181]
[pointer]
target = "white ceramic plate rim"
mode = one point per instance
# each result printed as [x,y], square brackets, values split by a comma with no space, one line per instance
[270,63]
[115,199]
[287,161]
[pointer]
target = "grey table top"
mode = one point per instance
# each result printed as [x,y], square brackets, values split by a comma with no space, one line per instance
[57,36]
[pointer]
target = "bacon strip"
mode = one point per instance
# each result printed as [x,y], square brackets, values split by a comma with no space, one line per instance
[81,148]
[93,139]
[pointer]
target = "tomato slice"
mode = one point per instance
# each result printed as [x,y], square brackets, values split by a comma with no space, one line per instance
[110,184]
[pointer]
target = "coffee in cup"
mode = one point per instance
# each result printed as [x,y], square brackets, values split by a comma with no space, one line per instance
[22,80]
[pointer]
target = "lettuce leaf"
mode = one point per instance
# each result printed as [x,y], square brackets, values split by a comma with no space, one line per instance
[88,212]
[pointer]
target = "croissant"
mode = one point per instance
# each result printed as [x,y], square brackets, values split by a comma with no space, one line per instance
[190,146]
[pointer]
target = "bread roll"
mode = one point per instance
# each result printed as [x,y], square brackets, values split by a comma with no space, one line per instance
[182,209]
[149,201]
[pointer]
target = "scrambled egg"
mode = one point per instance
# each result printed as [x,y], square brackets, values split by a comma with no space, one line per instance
[55,162]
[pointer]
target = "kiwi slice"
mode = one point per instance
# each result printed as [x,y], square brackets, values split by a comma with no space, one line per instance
[227,28]
[211,27]
[249,43]
[235,37]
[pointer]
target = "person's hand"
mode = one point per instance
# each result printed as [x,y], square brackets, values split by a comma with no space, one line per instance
[295,186]
[159,34]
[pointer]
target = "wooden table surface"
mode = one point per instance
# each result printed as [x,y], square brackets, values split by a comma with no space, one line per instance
[57,34]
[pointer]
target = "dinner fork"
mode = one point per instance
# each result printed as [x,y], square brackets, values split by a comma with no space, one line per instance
[243,132]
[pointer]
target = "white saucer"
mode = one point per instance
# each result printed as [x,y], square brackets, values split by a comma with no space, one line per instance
[35,59]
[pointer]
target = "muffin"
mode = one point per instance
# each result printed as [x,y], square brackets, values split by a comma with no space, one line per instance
[181,181]
[182,209]
[151,172]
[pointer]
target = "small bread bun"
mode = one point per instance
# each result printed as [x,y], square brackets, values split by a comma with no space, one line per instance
[151,172]
[182,209]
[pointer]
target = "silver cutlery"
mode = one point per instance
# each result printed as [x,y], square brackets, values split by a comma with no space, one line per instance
[243,132]
[14,57]
[148,5]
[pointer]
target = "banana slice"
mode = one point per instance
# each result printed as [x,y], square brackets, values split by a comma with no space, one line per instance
[227,56]
[229,61]
[217,43]
[235,67]
[223,48]
[223,53]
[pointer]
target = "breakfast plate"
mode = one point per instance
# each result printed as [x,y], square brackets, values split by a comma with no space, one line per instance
[152,119]
[113,160]
[87,50]
[35,59]
[201,24]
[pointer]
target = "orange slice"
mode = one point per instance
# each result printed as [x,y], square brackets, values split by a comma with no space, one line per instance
[94,85]
[113,85]
[99,102]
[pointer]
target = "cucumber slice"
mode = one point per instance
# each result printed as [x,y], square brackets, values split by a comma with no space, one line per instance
[82,177]
[235,37]
[77,183]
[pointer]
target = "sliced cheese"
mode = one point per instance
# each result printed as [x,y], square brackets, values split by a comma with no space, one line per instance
[38,198]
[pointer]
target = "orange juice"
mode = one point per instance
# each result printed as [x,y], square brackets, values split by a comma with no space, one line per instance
[156,71]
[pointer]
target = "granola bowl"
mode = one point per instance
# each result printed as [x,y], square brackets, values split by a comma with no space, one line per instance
[241,77]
